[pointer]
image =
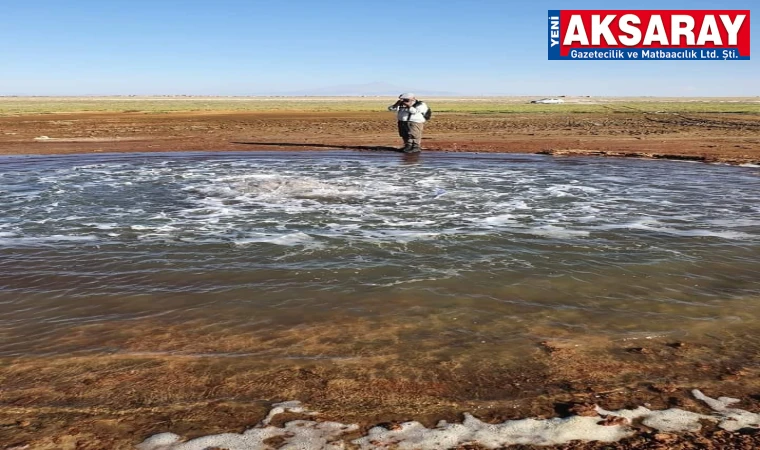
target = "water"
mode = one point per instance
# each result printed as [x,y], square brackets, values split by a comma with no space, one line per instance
[338,254]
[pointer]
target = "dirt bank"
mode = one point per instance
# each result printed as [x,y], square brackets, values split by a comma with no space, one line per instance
[730,138]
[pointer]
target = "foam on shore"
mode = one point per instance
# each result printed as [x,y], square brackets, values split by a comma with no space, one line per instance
[308,434]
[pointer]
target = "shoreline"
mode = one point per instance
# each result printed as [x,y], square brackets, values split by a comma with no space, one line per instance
[569,153]
[705,137]
[586,423]
[119,399]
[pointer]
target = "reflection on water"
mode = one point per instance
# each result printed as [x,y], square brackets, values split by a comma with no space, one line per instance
[435,251]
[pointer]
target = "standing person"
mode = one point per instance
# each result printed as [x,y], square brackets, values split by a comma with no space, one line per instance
[411,115]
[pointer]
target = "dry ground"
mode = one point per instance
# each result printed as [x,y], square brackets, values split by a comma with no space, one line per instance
[724,132]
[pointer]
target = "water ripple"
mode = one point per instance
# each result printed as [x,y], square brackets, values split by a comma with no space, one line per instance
[279,236]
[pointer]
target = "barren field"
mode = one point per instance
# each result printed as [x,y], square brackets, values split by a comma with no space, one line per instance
[711,130]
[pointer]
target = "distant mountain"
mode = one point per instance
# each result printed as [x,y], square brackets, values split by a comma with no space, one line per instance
[375,89]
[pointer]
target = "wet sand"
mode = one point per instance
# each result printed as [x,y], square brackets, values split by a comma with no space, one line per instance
[175,379]
[195,380]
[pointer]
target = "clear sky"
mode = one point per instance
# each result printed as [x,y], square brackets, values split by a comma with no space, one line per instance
[252,47]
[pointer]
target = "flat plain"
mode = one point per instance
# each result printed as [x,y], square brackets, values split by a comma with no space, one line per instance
[701,129]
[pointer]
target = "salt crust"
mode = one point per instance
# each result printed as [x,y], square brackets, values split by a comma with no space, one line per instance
[307,434]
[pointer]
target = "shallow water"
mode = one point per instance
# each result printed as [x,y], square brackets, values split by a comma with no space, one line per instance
[450,248]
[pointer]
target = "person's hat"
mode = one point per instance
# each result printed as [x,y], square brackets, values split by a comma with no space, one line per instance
[406,96]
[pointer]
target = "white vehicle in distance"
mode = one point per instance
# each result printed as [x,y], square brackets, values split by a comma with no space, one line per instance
[549,101]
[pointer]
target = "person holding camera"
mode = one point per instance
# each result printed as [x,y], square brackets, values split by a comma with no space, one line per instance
[411,115]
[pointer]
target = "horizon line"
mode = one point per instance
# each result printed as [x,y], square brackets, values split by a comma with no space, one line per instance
[361,96]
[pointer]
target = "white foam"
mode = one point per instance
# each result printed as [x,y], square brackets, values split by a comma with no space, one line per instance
[502,219]
[289,240]
[102,226]
[568,190]
[298,434]
[204,199]
[734,222]
[413,435]
[557,232]
[315,434]
[399,236]
[730,419]
[653,225]
[31,241]
[669,420]
[286,187]
[733,235]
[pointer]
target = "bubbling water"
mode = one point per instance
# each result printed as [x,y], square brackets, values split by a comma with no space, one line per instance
[506,243]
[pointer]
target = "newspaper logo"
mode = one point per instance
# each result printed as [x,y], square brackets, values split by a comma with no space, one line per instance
[717,35]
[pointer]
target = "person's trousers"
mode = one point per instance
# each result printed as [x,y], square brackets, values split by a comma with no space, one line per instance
[411,132]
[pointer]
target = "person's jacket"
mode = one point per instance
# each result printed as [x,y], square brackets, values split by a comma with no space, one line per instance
[414,113]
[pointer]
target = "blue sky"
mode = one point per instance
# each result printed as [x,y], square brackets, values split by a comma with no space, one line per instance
[251,47]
